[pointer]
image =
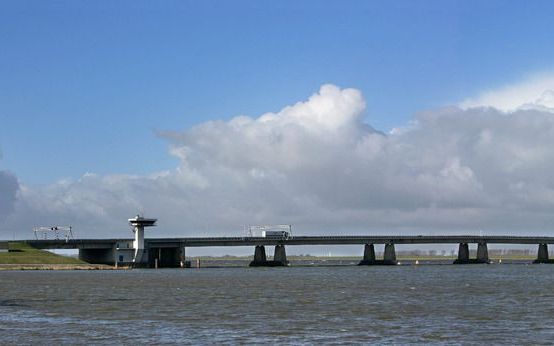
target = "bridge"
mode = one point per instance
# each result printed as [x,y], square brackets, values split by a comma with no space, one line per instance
[170,252]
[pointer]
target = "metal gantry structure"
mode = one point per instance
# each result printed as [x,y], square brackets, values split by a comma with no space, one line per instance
[53,232]
[257,230]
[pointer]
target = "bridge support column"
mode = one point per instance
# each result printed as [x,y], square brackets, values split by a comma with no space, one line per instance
[463,254]
[369,255]
[280,256]
[390,254]
[182,258]
[542,255]
[482,253]
[260,258]
[259,254]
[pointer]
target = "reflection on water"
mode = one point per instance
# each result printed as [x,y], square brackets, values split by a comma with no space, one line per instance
[400,304]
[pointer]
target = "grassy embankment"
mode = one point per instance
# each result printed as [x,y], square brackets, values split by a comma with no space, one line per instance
[21,253]
[24,257]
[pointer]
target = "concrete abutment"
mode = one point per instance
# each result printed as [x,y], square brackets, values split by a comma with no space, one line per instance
[98,256]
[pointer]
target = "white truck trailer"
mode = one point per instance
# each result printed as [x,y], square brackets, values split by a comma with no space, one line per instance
[271,231]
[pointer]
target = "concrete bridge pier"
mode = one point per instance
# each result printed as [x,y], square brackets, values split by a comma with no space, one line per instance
[280,256]
[463,254]
[542,255]
[482,253]
[182,258]
[390,254]
[260,258]
[389,257]
[259,255]
[369,255]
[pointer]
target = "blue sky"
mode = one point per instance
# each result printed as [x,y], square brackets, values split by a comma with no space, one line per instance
[86,85]
[107,109]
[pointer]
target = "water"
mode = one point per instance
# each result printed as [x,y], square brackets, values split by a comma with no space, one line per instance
[434,304]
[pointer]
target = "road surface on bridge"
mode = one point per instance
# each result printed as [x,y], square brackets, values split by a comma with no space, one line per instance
[296,240]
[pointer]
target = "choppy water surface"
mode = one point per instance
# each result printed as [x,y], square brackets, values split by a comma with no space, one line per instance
[509,304]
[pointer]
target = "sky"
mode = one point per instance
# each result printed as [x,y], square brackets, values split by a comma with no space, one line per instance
[336,116]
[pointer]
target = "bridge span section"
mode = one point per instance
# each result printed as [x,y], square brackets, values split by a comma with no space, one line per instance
[369,242]
[170,252]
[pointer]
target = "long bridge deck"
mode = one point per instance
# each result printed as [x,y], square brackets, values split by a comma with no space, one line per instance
[297,240]
[171,251]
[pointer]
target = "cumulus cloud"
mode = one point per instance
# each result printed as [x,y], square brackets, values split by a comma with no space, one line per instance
[316,165]
[535,92]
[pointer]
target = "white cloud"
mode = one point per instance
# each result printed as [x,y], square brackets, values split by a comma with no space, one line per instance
[535,92]
[316,165]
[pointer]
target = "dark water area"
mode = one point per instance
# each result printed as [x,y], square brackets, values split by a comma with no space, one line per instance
[426,304]
[222,263]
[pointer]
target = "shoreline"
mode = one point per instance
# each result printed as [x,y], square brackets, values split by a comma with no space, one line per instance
[6,267]
[238,262]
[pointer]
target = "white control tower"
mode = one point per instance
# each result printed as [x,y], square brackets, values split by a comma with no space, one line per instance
[138,223]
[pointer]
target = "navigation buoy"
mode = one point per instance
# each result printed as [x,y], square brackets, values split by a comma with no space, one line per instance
[417,262]
[500,261]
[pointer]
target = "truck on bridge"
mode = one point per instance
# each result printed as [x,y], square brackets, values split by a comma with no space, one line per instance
[277,232]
